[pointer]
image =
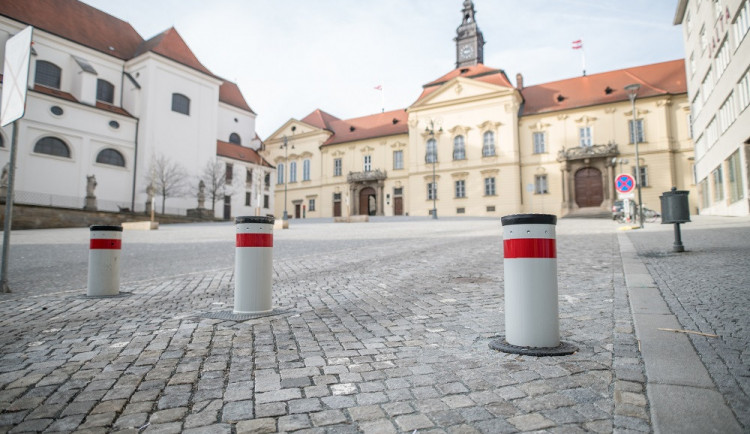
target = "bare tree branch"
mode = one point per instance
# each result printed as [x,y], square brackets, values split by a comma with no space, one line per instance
[168,177]
[215,177]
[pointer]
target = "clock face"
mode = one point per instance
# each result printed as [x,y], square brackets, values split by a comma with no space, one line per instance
[466,51]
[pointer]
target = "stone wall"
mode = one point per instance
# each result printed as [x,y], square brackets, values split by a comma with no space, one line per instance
[39,217]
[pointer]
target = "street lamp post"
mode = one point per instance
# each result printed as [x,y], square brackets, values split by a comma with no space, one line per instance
[285,217]
[430,129]
[632,90]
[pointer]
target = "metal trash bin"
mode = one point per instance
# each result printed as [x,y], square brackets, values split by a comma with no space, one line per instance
[675,207]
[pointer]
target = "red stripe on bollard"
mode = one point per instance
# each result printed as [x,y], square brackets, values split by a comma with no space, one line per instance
[530,248]
[254,240]
[105,244]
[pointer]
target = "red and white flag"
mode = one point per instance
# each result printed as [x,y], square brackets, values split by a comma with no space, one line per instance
[577,45]
[378,87]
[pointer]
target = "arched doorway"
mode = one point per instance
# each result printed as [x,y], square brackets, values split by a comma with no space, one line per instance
[367,204]
[589,188]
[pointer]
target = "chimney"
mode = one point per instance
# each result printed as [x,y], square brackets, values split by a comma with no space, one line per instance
[519,81]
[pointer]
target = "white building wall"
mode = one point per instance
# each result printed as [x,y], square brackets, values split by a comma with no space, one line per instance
[233,120]
[86,131]
[701,16]
[189,140]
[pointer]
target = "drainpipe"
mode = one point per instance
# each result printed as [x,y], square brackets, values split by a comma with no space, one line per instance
[135,164]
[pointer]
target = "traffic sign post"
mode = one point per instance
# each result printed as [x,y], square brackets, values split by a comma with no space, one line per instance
[624,183]
[15,81]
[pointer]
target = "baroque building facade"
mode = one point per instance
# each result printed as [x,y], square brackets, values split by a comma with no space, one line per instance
[717,49]
[475,144]
[103,101]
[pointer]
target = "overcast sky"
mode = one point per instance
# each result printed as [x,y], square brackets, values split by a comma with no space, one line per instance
[290,57]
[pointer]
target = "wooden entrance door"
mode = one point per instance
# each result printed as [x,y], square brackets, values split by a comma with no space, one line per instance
[337,208]
[297,210]
[589,187]
[367,201]
[398,205]
[227,207]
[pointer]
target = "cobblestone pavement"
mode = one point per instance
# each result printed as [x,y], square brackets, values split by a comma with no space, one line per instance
[708,289]
[388,336]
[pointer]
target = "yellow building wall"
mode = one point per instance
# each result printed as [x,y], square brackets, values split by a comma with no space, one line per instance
[463,107]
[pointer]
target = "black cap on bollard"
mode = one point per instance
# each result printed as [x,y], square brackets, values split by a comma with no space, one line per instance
[254,219]
[529,219]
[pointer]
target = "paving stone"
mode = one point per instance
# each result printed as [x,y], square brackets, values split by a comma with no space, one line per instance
[530,422]
[294,422]
[384,426]
[210,429]
[328,417]
[166,416]
[413,422]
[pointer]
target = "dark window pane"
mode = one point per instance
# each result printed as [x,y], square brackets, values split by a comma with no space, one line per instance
[180,103]
[47,74]
[105,91]
[52,146]
[112,157]
[235,138]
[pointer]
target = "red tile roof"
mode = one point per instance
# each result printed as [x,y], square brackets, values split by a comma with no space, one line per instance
[665,78]
[241,153]
[170,44]
[367,127]
[230,93]
[69,97]
[320,119]
[88,26]
[477,72]
[77,22]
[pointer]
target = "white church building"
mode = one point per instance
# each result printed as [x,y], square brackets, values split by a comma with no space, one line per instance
[103,101]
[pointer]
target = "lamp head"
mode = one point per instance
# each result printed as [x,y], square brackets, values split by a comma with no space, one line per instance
[632,90]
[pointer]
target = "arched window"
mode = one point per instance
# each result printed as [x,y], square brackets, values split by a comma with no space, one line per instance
[47,74]
[105,91]
[180,103]
[280,173]
[431,155]
[111,157]
[488,149]
[52,146]
[235,138]
[2,141]
[459,150]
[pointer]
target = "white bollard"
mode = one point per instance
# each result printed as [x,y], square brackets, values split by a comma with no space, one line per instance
[253,265]
[530,267]
[104,261]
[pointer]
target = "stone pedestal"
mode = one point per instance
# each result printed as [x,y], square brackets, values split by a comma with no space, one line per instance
[90,204]
[200,213]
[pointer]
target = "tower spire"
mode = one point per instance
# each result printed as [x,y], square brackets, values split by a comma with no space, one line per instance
[469,39]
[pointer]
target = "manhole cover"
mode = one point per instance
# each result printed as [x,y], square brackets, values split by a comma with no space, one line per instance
[231,316]
[95,297]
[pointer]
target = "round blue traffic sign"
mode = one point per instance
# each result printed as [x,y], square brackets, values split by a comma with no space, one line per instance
[624,183]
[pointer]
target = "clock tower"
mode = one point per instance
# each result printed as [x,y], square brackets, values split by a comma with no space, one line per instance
[469,39]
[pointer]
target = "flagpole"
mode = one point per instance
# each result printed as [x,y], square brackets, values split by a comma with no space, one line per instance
[583,59]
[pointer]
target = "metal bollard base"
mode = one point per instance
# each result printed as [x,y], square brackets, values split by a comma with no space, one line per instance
[564,349]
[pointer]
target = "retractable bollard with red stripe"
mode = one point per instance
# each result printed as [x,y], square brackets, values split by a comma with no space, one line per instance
[104,261]
[530,266]
[253,265]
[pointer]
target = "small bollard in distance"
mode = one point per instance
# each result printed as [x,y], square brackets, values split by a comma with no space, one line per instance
[253,265]
[104,261]
[675,208]
[530,269]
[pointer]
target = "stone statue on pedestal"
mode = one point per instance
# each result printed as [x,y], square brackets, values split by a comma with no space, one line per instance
[201,195]
[90,197]
[150,193]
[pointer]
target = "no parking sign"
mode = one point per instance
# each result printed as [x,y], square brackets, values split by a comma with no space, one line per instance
[624,183]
